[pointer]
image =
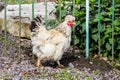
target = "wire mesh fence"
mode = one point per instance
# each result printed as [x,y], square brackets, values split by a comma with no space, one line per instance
[19,2]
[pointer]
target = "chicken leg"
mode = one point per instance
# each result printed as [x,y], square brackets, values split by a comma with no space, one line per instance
[38,64]
[60,65]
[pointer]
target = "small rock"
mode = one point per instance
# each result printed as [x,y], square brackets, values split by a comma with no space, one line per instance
[16,78]
[91,62]
[79,57]
[71,65]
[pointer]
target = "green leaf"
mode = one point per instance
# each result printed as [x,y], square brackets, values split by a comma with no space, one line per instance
[117,6]
[102,28]
[105,54]
[64,12]
[101,17]
[107,19]
[103,13]
[94,30]
[102,41]
[76,41]
[118,47]
[83,27]
[50,24]
[92,1]
[116,22]
[95,37]
[110,40]
[108,30]
[108,46]
[95,20]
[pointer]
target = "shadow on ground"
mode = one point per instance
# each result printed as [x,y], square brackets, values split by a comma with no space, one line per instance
[78,60]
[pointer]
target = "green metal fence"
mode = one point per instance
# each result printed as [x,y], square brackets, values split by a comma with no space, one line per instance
[60,13]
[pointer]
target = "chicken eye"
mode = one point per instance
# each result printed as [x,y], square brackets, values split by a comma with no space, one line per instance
[69,21]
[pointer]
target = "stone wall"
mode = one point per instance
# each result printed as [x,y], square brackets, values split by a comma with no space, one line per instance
[12,15]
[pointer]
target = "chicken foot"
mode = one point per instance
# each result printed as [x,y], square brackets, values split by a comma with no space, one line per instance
[60,65]
[38,64]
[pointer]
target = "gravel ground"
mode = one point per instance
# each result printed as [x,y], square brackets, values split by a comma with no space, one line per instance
[13,68]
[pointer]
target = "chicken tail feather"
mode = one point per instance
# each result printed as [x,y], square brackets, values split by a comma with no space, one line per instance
[37,21]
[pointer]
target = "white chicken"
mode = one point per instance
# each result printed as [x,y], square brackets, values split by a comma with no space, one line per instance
[51,44]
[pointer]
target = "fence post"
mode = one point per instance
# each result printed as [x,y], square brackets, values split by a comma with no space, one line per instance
[87,28]
[113,6]
[46,13]
[19,47]
[32,19]
[5,21]
[99,48]
[60,10]
[73,28]
[32,9]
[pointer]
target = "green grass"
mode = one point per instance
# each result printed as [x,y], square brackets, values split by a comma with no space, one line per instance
[5,77]
[96,72]
[63,75]
[88,78]
[17,1]
[1,37]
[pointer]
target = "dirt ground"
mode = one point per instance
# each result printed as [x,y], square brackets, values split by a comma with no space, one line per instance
[76,60]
